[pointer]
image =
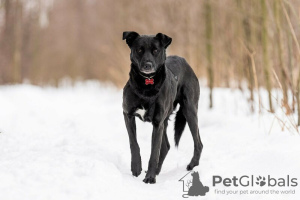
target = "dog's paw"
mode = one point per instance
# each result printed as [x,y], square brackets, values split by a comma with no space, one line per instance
[136,173]
[136,169]
[191,166]
[150,180]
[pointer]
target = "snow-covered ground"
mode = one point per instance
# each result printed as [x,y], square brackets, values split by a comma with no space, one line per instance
[71,143]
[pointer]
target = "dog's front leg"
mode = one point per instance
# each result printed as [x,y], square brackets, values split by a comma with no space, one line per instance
[155,150]
[136,163]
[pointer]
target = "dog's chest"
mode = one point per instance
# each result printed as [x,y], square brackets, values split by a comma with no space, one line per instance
[141,113]
[145,112]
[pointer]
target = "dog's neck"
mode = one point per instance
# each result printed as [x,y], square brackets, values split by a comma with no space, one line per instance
[137,82]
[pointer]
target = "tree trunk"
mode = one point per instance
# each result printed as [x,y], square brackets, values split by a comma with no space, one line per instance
[266,65]
[16,64]
[290,64]
[247,57]
[209,49]
[284,84]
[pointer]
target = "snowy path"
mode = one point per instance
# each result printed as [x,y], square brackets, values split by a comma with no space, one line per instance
[71,143]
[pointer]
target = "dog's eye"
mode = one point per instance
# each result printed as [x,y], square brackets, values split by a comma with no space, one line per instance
[155,51]
[140,50]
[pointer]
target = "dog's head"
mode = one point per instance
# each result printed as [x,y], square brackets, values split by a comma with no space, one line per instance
[195,175]
[148,52]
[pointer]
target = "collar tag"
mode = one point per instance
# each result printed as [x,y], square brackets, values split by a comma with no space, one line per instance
[149,81]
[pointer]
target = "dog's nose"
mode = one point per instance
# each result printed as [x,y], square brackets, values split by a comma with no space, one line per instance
[148,65]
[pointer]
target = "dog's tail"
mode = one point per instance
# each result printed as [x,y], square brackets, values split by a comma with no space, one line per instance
[180,123]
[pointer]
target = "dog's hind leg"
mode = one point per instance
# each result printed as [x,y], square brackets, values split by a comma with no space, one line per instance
[136,163]
[165,146]
[190,113]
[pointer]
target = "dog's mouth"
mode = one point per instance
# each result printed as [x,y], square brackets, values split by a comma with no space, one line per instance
[150,71]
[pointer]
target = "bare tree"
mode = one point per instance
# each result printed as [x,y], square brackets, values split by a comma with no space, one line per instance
[209,49]
[266,65]
[17,45]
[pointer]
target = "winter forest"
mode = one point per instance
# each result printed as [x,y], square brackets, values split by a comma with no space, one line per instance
[229,43]
[63,66]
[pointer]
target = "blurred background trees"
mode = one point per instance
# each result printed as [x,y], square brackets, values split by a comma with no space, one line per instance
[229,43]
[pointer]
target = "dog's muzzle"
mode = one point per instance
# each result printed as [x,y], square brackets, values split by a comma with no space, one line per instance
[148,68]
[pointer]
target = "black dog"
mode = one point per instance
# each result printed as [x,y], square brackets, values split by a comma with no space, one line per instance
[156,85]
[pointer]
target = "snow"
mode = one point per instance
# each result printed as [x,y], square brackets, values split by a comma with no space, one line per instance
[71,143]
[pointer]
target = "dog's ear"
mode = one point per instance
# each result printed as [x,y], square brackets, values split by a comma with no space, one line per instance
[130,36]
[164,39]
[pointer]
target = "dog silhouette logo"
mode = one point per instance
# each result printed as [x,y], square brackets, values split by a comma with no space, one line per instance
[193,186]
